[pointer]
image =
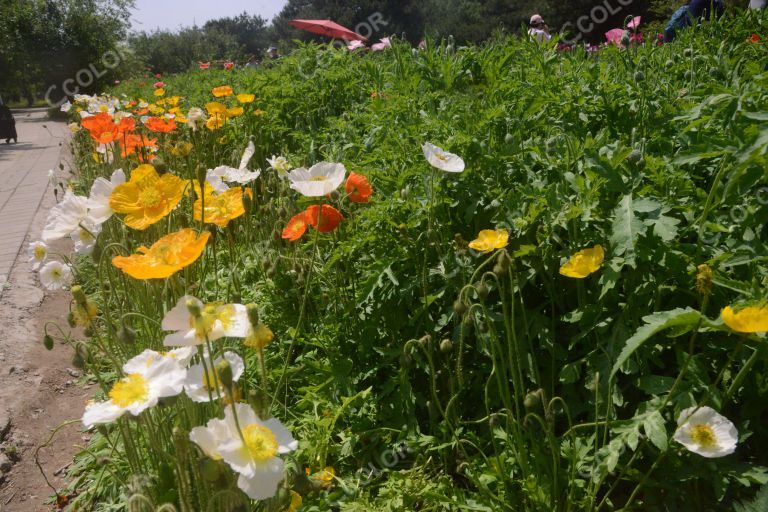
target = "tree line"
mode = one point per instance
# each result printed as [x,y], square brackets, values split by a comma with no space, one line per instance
[48,44]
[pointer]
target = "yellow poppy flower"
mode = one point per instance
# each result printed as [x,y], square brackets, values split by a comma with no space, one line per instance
[159,92]
[216,121]
[172,101]
[234,112]
[258,112]
[246,98]
[155,110]
[146,197]
[295,502]
[584,263]
[181,148]
[214,107]
[220,209]
[750,319]
[490,239]
[222,91]
[167,256]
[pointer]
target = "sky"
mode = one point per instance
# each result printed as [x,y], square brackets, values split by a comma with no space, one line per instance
[172,14]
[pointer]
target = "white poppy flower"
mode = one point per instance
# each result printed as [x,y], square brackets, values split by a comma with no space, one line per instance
[65,217]
[200,385]
[209,437]
[705,432]
[320,180]
[180,356]
[240,175]
[149,379]
[66,106]
[85,237]
[280,164]
[107,151]
[442,160]
[252,452]
[216,320]
[55,275]
[38,253]
[99,210]
[195,118]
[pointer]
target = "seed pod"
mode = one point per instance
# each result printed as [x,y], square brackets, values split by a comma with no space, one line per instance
[446,346]
[48,342]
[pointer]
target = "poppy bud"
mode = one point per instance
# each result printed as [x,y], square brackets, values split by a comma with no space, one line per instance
[509,139]
[406,360]
[61,166]
[210,470]
[425,340]
[253,314]
[532,400]
[446,346]
[224,373]
[482,290]
[160,166]
[272,272]
[459,307]
[48,342]
[126,335]
[687,52]
[639,76]
[634,157]
[688,75]
[625,39]
[669,63]
[71,321]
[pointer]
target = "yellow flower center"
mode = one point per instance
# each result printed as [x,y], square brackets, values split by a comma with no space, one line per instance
[260,442]
[318,178]
[441,156]
[703,435]
[129,390]
[40,253]
[150,197]
[56,274]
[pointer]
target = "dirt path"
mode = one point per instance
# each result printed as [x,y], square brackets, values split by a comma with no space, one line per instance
[38,388]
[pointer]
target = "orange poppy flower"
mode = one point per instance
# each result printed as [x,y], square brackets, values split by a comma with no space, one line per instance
[220,209]
[131,143]
[101,127]
[146,197]
[126,125]
[167,256]
[160,125]
[296,227]
[234,112]
[141,111]
[358,189]
[222,91]
[328,220]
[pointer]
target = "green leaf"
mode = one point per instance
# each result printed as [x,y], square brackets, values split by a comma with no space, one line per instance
[654,428]
[625,230]
[655,323]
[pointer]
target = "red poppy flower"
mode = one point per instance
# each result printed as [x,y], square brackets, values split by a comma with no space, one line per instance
[158,75]
[205,65]
[754,39]
[159,85]
[160,125]
[229,65]
[296,227]
[324,222]
[358,189]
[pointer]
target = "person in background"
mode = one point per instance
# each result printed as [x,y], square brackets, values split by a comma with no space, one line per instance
[252,63]
[689,13]
[7,124]
[538,29]
[272,53]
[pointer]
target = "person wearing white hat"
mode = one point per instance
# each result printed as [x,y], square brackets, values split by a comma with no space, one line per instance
[538,29]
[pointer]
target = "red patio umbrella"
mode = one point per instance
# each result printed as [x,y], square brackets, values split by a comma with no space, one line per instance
[327,28]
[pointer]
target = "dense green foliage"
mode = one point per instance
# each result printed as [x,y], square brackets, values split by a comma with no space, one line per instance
[514,387]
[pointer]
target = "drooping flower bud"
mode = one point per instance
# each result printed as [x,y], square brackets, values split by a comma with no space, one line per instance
[704,280]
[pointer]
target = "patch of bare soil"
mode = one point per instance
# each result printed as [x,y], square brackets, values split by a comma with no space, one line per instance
[39,389]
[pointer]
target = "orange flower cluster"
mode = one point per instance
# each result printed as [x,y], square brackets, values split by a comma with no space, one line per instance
[323,218]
